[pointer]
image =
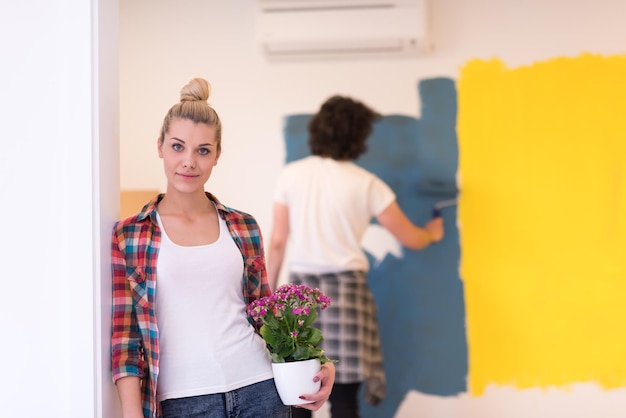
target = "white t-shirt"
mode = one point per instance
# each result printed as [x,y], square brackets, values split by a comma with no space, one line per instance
[331,203]
[206,343]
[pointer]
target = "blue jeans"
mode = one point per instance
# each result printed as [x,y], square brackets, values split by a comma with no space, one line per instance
[259,400]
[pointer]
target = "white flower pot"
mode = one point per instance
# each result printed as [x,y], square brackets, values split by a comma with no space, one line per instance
[295,379]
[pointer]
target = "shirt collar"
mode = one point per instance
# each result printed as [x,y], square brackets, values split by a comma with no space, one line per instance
[149,210]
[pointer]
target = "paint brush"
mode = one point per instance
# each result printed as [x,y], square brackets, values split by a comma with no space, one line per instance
[443,204]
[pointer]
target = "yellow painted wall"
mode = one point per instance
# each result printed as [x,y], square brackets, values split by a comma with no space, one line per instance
[542,160]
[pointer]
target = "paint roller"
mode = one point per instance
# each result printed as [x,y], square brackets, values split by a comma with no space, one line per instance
[443,204]
[440,189]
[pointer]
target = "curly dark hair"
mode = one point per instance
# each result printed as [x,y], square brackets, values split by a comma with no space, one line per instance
[340,129]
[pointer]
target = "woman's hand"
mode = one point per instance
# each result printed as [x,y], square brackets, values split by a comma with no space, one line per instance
[327,377]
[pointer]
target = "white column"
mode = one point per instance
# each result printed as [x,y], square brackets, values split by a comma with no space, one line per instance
[59,187]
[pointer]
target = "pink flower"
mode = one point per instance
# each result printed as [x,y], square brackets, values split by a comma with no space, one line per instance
[286,319]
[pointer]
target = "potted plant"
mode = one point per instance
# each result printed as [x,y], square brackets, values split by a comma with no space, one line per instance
[286,321]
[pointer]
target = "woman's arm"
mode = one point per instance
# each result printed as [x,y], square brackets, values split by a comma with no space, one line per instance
[126,357]
[129,392]
[278,243]
[405,231]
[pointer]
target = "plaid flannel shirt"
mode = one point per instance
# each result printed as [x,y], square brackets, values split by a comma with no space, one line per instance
[134,251]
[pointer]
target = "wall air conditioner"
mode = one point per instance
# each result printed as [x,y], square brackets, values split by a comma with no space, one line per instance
[305,29]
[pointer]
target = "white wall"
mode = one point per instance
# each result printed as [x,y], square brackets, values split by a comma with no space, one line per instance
[58,171]
[164,44]
[105,194]
[59,107]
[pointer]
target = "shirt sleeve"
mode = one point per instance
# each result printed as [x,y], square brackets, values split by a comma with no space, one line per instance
[126,345]
[380,196]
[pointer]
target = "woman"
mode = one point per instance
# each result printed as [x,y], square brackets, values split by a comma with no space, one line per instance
[324,203]
[184,270]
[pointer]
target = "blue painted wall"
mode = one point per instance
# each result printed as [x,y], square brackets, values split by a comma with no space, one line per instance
[420,295]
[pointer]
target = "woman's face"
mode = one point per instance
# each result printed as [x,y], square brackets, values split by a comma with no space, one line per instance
[189,152]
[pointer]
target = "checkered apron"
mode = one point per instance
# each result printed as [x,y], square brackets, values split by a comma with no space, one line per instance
[350,329]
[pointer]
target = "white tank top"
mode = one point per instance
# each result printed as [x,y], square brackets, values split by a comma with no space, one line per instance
[206,343]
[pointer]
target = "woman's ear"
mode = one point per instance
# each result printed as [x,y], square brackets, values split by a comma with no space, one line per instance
[160,147]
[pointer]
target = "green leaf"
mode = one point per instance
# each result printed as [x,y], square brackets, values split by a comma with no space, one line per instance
[302,353]
[311,318]
[268,335]
[316,336]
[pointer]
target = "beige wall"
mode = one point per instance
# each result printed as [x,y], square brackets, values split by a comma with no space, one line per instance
[131,201]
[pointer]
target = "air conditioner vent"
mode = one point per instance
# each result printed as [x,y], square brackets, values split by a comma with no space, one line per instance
[342,28]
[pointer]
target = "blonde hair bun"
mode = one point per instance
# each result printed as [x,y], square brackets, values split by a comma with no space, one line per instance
[197,89]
